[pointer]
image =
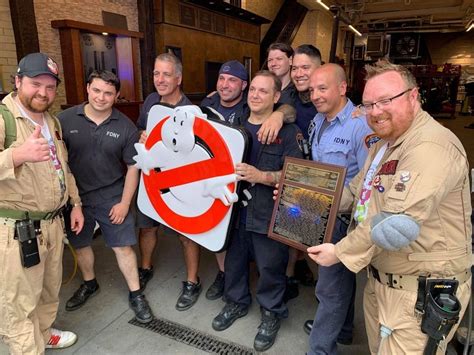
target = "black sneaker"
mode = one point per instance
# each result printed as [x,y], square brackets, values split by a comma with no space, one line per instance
[303,273]
[140,307]
[308,326]
[267,331]
[291,290]
[144,276]
[229,314]
[80,297]
[189,295]
[216,290]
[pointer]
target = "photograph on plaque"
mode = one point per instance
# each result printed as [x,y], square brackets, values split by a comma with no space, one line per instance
[308,199]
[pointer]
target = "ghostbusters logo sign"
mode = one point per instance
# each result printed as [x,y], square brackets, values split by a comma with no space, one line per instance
[188,181]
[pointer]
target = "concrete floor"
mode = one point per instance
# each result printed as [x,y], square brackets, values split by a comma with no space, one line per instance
[102,324]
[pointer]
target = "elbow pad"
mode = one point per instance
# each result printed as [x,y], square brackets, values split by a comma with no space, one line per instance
[393,231]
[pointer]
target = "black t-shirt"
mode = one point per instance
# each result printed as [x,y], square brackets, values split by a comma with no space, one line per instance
[151,100]
[97,152]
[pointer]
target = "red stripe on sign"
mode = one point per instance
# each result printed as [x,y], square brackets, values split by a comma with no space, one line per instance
[221,164]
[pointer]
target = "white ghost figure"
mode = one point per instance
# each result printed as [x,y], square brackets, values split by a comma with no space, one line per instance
[178,148]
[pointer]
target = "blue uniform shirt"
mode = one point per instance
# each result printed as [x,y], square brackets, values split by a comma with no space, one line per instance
[343,142]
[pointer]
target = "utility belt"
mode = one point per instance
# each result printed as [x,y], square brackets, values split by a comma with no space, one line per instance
[410,282]
[27,228]
[36,216]
[436,302]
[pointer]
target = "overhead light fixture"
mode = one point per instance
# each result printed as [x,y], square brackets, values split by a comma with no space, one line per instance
[320,2]
[105,33]
[470,27]
[355,31]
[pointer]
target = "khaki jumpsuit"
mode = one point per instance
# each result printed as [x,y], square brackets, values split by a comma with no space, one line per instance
[29,297]
[437,196]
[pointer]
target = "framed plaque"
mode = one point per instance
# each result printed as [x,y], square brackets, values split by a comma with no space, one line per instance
[308,200]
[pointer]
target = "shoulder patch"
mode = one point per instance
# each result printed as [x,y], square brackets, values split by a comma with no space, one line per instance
[371,139]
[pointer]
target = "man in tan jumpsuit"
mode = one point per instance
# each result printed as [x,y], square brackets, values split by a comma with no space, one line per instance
[417,173]
[35,181]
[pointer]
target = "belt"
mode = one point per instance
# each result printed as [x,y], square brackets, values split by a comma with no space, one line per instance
[410,282]
[19,215]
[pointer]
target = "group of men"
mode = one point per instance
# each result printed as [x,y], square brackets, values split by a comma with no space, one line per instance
[297,108]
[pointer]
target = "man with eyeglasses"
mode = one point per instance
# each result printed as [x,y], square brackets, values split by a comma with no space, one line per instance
[341,139]
[411,214]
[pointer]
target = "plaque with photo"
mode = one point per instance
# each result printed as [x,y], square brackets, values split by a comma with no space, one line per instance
[308,199]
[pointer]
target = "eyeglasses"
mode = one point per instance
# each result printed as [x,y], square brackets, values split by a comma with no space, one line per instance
[381,104]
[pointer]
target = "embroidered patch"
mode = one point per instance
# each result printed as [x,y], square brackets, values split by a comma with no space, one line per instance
[388,168]
[371,139]
[400,187]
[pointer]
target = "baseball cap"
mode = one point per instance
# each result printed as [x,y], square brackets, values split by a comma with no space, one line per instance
[35,64]
[234,68]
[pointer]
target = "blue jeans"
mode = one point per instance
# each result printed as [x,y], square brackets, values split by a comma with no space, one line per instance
[335,291]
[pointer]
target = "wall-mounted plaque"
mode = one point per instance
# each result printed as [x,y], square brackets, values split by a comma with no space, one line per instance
[187,15]
[205,20]
[220,25]
[308,200]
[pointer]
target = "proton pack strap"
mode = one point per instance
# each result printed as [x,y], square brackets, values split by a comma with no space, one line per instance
[10,126]
[421,295]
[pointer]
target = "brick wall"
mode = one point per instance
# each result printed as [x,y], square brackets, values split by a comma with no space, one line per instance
[8,60]
[89,11]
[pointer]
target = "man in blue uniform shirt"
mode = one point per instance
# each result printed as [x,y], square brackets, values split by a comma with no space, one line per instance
[338,139]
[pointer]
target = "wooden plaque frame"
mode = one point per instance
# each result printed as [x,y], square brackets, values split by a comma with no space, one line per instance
[308,199]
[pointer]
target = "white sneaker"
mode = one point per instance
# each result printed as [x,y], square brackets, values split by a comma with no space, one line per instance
[61,339]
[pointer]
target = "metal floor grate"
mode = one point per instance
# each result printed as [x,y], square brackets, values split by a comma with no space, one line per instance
[193,337]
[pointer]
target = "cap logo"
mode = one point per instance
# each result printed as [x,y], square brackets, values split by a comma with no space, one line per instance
[226,68]
[52,66]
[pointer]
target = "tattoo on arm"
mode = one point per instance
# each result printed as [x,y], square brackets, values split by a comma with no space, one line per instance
[272,177]
[289,113]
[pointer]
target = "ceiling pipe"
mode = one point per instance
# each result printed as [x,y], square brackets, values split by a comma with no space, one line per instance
[421,12]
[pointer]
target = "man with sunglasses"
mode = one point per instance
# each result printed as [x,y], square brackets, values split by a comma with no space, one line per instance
[411,214]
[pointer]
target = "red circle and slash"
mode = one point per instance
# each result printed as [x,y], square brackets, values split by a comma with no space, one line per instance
[219,165]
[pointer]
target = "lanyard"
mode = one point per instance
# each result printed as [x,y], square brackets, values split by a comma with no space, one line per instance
[364,198]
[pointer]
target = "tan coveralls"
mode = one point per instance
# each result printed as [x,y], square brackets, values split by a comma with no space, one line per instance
[437,196]
[29,297]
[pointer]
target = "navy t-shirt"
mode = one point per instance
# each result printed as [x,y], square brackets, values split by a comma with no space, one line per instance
[305,112]
[255,144]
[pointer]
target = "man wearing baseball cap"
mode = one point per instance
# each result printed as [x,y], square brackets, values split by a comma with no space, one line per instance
[36,184]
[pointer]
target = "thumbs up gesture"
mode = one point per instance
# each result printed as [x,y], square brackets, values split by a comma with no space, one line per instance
[34,149]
